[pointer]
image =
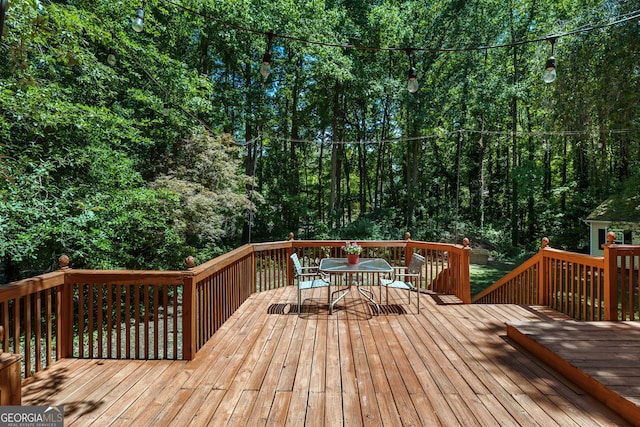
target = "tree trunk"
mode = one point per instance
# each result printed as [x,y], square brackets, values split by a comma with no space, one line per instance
[336,158]
[250,160]
[293,170]
[514,142]
[320,190]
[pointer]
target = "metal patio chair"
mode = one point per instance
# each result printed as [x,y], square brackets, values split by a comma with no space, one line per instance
[309,278]
[404,277]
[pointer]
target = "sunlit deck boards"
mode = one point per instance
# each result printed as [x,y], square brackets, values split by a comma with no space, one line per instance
[450,365]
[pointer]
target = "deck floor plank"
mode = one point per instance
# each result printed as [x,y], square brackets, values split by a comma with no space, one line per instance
[449,365]
[279,409]
[366,390]
[136,396]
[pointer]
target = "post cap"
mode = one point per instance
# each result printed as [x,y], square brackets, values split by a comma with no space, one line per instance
[63,261]
[190,261]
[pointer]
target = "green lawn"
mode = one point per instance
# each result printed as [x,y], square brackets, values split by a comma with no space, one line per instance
[483,276]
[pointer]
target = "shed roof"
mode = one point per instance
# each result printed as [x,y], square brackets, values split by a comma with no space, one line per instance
[622,208]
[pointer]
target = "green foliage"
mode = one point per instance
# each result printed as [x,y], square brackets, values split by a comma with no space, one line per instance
[135,165]
[203,173]
[131,229]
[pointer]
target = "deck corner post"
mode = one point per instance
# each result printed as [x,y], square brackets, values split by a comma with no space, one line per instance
[543,274]
[290,251]
[189,315]
[65,316]
[610,278]
[254,271]
[465,275]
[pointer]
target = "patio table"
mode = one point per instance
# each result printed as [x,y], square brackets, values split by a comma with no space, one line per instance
[365,265]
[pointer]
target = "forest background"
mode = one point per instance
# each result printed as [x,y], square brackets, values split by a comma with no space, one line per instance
[180,146]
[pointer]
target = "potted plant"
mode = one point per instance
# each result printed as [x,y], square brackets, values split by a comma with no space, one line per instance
[353,251]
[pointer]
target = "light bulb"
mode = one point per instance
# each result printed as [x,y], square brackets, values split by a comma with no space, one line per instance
[265,67]
[412,83]
[111,58]
[549,74]
[165,109]
[138,21]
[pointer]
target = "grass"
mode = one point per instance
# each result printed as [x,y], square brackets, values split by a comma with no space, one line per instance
[483,276]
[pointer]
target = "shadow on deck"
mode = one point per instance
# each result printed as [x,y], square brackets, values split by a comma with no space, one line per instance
[450,365]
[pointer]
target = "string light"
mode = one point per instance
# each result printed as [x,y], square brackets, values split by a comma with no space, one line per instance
[111,57]
[444,134]
[412,80]
[3,9]
[265,67]
[630,16]
[549,74]
[138,21]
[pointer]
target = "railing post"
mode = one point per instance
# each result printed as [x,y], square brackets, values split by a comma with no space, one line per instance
[543,274]
[10,381]
[289,263]
[65,315]
[254,271]
[465,276]
[610,278]
[189,313]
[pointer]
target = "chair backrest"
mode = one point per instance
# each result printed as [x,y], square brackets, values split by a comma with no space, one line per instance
[416,263]
[296,263]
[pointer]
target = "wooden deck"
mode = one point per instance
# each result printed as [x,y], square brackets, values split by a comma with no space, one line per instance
[450,365]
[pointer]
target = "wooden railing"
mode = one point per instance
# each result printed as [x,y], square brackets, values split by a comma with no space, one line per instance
[126,314]
[121,314]
[30,315]
[214,292]
[580,286]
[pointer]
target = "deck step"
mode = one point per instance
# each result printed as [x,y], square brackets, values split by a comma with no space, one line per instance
[600,357]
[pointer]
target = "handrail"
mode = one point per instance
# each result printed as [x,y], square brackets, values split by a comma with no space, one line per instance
[171,314]
[578,285]
[522,276]
[214,292]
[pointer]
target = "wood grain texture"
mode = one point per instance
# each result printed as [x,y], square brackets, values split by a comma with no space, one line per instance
[450,365]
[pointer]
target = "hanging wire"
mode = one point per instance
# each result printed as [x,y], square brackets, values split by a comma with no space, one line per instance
[624,18]
[443,134]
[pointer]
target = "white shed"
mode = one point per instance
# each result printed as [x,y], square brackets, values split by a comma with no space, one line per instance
[619,214]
